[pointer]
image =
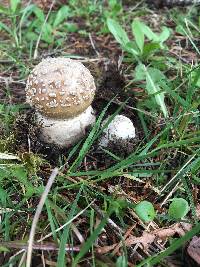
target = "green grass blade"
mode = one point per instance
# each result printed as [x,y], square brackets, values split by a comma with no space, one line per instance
[61,254]
[90,241]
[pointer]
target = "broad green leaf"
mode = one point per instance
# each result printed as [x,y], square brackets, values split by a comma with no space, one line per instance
[132,48]
[178,208]
[150,48]
[39,13]
[139,73]
[61,15]
[148,32]
[14,4]
[152,85]
[164,35]
[145,211]
[47,33]
[114,3]
[71,27]
[31,36]
[156,38]
[118,32]
[138,33]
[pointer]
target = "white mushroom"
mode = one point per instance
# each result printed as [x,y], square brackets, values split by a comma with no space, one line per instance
[61,90]
[120,128]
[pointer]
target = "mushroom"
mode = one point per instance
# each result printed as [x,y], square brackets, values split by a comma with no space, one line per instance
[120,128]
[61,90]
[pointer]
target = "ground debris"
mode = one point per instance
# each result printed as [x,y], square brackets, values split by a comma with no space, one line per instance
[193,249]
[158,236]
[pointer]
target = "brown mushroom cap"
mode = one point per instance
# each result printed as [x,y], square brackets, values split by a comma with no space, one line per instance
[60,88]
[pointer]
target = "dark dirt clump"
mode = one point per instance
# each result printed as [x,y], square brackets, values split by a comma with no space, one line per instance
[110,86]
[27,138]
[122,148]
[26,132]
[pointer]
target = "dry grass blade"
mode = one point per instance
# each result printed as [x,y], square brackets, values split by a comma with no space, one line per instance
[40,35]
[37,215]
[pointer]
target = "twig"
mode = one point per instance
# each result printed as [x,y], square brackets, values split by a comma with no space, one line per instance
[47,246]
[179,57]
[37,215]
[93,46]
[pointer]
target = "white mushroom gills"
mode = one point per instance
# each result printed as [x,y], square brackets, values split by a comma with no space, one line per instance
[120,128]
[61,90]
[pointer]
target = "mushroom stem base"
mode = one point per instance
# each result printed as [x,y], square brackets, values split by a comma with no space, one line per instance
[65,132]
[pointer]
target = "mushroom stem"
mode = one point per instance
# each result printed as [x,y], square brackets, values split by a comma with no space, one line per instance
[65,132]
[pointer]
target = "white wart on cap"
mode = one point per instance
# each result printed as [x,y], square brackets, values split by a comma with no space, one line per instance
[120,128]
[61,90]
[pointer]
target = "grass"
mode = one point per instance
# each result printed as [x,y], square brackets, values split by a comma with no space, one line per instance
[91,205]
